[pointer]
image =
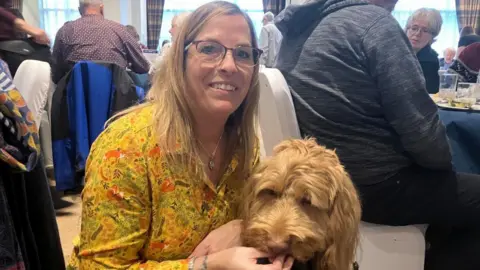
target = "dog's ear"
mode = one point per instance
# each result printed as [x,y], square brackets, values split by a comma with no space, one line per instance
[248,194]
[343,225]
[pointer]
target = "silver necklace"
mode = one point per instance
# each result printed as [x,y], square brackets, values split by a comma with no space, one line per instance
[211,161]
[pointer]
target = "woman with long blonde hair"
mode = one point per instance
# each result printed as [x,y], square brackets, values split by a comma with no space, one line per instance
[166,174]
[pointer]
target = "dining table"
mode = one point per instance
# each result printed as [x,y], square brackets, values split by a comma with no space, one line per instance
[463,131]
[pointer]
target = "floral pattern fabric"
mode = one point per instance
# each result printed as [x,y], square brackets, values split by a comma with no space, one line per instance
[140,214]
[22,155]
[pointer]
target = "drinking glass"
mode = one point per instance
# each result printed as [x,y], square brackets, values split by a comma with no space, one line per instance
[448,86]
[465,97]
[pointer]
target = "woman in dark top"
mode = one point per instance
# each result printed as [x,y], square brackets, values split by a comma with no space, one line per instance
[422,28]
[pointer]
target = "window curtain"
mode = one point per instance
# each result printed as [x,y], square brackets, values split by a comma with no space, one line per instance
[154,22]
[468,13]
[274,6]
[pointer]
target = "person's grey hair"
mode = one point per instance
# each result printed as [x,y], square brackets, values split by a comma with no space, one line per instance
[269,16]
[181,17]
[84,3]
[431,15]
[450,50]
[133,31]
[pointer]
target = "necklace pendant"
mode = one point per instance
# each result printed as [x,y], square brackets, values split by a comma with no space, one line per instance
[211,164]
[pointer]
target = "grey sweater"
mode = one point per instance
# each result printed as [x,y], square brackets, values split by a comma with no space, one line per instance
[358,88]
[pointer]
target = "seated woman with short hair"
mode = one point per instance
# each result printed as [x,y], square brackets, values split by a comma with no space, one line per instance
[422,27]
[166,174]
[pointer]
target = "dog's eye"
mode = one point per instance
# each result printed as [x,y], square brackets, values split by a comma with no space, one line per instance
[268,192]
[306,201]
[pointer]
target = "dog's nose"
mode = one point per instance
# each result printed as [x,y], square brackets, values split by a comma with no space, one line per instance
[278,247]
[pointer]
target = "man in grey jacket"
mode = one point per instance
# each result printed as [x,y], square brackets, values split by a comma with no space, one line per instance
[358,88]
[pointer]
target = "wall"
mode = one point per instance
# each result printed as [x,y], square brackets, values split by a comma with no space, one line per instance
[30,12]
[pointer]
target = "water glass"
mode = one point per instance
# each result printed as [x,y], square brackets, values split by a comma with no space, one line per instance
[465,96]
[448,86]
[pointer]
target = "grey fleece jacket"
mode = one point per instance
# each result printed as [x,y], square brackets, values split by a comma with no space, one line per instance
[358,88]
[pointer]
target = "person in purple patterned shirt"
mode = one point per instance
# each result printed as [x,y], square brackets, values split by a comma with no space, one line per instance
[94,38]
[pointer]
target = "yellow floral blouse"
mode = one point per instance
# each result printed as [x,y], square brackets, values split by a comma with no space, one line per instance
[139,214]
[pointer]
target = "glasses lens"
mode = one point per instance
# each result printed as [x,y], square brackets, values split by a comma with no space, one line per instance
[210,51]
[246,56]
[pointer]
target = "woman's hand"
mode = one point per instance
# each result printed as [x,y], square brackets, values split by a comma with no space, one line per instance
[242,258]
[226,236]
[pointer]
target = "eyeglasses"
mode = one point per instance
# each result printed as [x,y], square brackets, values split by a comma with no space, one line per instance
[418,29]
[211,51]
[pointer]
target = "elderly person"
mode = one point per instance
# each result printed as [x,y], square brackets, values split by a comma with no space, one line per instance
[133,31]
[270,40]
[177,21]
[423,26]
[94,38]
[360,93]
[167,175]
[447,60]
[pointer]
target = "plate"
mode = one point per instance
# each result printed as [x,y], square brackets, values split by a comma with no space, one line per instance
[475,107]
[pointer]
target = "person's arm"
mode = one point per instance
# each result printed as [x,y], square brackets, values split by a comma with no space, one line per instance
[116,213]
[403,95]
[263,45]
[38,35]
[7,16]
[135,56]
[432,79]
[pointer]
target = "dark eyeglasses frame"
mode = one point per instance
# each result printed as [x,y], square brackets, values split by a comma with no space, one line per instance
[196,42]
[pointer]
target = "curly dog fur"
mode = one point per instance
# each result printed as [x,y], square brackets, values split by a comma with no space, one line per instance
[302,202]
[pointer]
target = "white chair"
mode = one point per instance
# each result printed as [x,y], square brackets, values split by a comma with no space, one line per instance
[381,247]
[33,81]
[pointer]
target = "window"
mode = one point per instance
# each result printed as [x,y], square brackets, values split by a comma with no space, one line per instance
[254,9]
[55,13]
[449,34]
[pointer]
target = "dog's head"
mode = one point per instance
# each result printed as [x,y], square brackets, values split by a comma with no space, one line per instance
[302,202]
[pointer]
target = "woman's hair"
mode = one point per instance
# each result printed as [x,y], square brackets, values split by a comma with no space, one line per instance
[466,31]
[180,18]
[173,118]
[433,18]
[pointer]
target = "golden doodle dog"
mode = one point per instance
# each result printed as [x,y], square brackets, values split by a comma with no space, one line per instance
[301,202]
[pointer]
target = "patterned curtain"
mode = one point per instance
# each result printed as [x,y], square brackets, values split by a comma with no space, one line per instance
[468,13]
[154,22]
[17,4]
[274,6]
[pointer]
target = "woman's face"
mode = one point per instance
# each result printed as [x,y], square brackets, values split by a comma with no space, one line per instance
[419,34]
[216,89]
[173,28]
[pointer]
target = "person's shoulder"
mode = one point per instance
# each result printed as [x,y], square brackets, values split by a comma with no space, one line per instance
[361,18]
[119,28]
[133,128]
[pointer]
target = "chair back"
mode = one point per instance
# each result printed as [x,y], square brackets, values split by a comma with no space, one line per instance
[34,82]
[278,120]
